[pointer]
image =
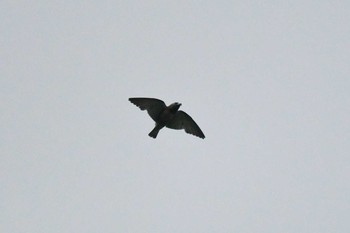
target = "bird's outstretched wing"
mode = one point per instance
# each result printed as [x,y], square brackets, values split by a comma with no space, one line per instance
[153,106]
[183,121]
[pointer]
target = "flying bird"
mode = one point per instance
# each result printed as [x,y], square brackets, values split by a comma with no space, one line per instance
[167,116]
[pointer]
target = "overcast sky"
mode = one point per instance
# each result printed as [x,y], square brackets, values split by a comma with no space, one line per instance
[268,82]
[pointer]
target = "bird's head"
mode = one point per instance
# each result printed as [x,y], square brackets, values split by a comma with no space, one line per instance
[174,107]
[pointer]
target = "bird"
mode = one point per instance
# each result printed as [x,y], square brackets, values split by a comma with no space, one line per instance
[167,116]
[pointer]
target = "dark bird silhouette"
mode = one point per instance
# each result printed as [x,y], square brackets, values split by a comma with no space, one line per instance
[167,116]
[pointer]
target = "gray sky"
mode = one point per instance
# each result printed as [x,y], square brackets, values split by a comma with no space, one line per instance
[267,81]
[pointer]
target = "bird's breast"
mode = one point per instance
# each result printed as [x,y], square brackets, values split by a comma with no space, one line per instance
[166,116]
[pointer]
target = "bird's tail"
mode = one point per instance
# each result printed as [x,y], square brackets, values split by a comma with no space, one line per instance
[155,131]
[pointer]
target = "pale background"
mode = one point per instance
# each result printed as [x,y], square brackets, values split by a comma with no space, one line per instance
[267,81]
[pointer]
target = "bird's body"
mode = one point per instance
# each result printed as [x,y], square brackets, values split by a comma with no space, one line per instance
[167,116]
